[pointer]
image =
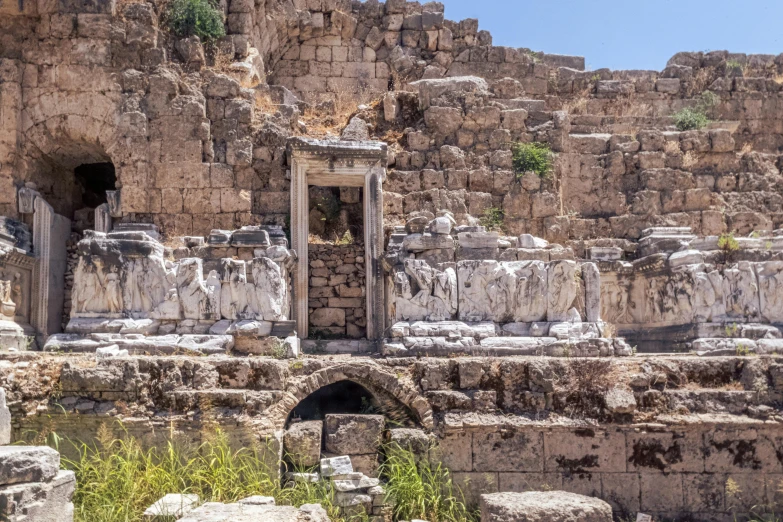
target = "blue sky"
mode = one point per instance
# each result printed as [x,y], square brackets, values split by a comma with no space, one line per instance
[641,34]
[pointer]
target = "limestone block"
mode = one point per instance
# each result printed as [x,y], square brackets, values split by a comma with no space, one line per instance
[352,485]
[257,500]
[512,451]
[28,464]
[443,120]
[5,420]
[535,506]
[243,512]
[336,466]
[171,505]
[302,441]
[328,317]
[431,89]
[353,434]
[48,501]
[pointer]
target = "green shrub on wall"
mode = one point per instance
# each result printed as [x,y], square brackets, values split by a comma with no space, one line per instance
[200,18]
[690,119]
[532,157]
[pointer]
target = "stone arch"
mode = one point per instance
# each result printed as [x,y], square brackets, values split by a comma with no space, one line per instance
[368,375]
[63,130]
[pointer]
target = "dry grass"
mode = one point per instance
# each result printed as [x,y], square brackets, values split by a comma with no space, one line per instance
[746,149]
[583,384]
[330,116]
[222,60]
[778,78]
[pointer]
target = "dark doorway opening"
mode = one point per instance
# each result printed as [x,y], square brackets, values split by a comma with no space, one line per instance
[94,179]
[340,397]
[91,181]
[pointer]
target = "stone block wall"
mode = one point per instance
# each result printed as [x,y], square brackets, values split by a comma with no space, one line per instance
[337,291]
[691,437]
[665,471]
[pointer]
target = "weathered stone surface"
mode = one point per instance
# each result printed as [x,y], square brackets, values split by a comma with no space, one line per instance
[353,434]
[543,507]
[336,466]
[48,501]
[171,505]
[241,512]
[28,464]
[302,442]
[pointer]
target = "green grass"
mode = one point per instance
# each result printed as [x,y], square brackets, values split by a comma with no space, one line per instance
[696,118]
[532,157]
[493,219]
[117,479]
[423,490]
[200,18]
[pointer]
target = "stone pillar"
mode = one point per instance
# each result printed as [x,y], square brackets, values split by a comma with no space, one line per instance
[592,279]
[102,218]
[26,200]
[50,234]
[114,203]
[300,201]
[373,249]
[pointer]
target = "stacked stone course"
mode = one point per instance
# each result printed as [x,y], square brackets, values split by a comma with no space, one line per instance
[337,291]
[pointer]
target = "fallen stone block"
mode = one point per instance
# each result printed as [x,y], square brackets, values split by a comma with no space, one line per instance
[239,512]
[336,466]
[171,505]
[550,506]
[28,464]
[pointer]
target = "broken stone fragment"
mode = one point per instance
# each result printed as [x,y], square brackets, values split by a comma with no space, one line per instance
[171,505]
[336,466]
[620,401]
[28,464]
[351,499]
[352,485]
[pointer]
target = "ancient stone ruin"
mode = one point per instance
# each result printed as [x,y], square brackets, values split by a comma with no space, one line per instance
[344,224]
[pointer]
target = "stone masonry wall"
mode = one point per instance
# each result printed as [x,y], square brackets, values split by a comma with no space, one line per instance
[337,291]
[670,436]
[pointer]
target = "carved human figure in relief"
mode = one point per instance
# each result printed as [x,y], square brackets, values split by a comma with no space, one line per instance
[88,288]
[7,307]
[614,303]
[562,290]
[113,291]
[654,302]
[16,290]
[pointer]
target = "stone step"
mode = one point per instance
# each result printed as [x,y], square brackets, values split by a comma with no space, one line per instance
[39,501]
[138,344]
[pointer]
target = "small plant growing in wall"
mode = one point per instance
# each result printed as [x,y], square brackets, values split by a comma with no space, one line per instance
[532,157]
[347,239]
[729,245]
[492,219]
[695,118]
[202,18]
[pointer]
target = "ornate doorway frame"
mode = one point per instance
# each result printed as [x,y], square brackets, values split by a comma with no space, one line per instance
[338,164]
